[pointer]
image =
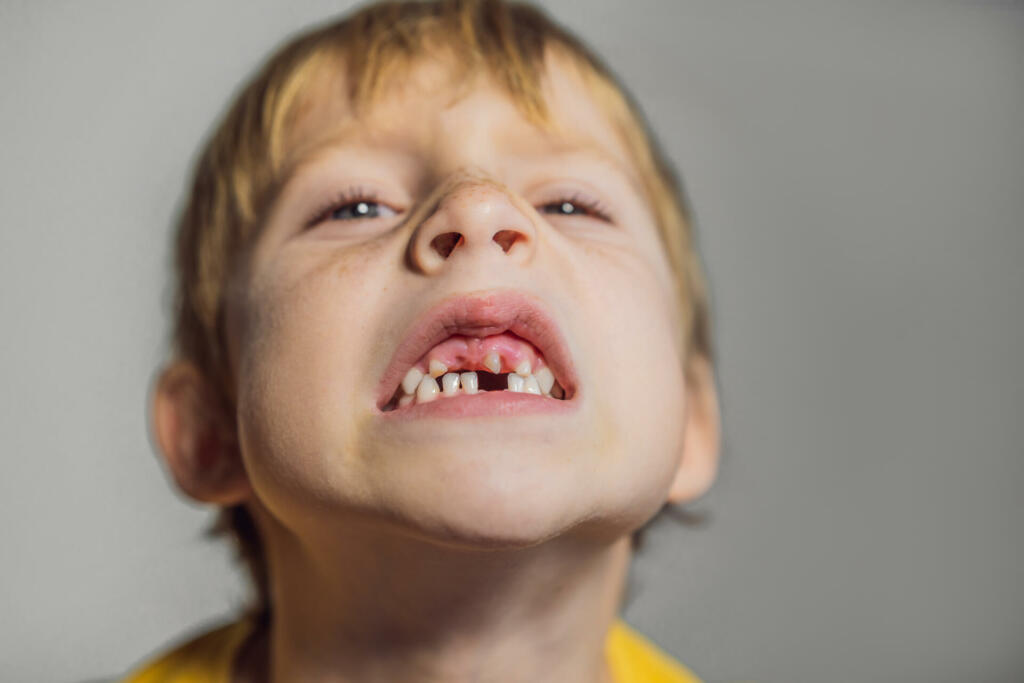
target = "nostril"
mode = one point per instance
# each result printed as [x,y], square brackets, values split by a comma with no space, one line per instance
[446,242]
[506,238]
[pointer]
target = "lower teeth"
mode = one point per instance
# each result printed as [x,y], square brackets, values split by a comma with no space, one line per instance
[453,384]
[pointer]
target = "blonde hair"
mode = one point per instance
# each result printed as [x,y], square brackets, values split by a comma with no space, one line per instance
[243,162]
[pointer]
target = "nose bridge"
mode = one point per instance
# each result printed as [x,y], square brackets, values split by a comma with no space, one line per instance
[473,213]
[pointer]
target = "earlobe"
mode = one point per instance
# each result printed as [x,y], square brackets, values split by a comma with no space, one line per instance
[195,438]
[701,443]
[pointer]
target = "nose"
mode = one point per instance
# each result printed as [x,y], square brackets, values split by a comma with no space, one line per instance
[476,217]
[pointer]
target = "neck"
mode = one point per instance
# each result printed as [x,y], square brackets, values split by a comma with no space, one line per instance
[377,605]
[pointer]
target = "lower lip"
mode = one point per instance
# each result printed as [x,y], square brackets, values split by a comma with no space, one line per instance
[485,404]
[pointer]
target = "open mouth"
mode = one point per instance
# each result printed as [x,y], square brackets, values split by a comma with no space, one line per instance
[471,346]
[462,365]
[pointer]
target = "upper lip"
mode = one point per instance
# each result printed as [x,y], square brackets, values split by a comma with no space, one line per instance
[482,315]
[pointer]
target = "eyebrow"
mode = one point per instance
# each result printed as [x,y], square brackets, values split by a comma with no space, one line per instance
[592,151]
[346,133]
[323,146]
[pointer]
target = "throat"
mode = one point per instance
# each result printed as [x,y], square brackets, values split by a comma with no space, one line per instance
[446,615]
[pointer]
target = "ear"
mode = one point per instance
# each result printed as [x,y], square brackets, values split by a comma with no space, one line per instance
[699,463]
[198,442]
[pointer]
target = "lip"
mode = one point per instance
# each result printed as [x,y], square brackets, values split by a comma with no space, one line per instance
[486,404]
[482,315]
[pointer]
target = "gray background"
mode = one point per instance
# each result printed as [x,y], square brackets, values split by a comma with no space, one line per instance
[858,176]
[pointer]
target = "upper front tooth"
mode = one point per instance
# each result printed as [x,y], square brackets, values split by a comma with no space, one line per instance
[426,391]
[437,368]
[412,380]
[470,383]
[523,368]
[492,361]
[545,379]
[450,383]
[515,382]
[530,385]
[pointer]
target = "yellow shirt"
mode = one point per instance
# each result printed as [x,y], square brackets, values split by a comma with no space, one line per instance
[209,658]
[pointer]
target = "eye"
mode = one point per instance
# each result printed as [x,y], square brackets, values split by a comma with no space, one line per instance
[363,208]
[565,208]
[576,205]
[352,205]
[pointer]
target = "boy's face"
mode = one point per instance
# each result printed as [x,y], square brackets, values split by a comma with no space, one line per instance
[444,226]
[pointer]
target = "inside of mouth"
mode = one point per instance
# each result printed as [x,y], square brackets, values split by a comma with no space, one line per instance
[462,365]
[488,381]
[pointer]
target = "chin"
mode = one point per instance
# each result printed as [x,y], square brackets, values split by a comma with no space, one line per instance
[494,534]
[488,507]
[517,527]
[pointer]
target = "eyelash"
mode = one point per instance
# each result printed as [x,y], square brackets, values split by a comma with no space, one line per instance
[354,195]
[590,205]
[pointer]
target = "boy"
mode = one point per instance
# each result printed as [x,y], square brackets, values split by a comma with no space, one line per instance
[441,347]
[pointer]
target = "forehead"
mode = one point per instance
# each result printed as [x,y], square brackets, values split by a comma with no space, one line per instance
[437,108]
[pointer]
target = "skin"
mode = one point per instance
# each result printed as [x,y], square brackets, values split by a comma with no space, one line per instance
[456,549]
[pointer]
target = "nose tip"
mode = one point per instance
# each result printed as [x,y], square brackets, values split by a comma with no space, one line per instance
[478,217]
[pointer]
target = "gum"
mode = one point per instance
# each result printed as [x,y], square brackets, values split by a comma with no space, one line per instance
[467,353]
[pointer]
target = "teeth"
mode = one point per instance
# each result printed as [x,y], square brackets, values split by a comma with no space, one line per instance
[492,361]
[545,380]
[450,383]
[423,388]
[470,382]
[426,391]
[412,380]
[515,382]
[437,368]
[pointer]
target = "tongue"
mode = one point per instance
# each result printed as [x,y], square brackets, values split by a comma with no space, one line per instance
[468,353]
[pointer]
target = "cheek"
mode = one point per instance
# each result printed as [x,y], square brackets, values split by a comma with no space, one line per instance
[300,368]
[639,392]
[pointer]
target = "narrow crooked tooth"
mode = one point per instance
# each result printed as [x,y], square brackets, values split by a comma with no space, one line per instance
[515,382]
[405,400]
[450,383]
[427,390]
[545,379]
[523,369]
[470,382]
[412,380]
[492,361]
[437,368]
[531,386]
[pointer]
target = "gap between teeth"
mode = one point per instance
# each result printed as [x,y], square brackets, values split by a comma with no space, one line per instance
[423,388]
